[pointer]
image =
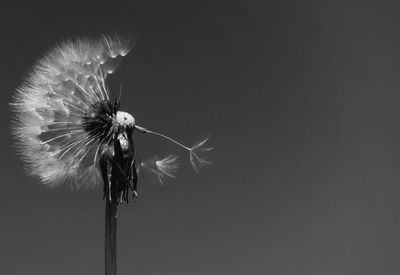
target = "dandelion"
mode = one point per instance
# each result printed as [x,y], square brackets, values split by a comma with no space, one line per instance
[69,132]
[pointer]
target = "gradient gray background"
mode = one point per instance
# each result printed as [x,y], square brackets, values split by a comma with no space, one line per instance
[301,99]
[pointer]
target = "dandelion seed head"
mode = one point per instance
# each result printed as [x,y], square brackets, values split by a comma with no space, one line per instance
[62,111]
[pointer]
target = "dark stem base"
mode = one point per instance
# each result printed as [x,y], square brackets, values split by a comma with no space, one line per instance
[111,238]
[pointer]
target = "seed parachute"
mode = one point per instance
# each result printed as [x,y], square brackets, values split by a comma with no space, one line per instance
[68,131]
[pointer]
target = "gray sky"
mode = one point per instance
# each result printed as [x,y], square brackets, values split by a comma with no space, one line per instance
[301,101]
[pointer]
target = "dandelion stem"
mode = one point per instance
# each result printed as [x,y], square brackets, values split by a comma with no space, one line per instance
[111,198]
[111,237]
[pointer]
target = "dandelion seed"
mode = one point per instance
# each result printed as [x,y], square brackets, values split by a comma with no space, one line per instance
[196,151]
[163,169]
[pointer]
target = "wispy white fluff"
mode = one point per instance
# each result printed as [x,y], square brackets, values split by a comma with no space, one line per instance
[49,105]
[196,159]
[163,169]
